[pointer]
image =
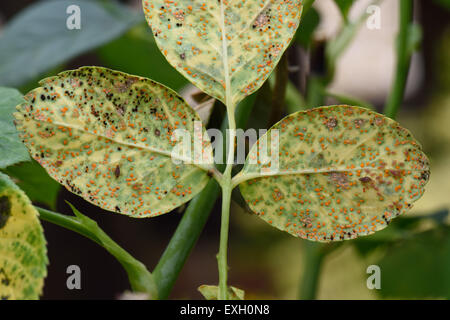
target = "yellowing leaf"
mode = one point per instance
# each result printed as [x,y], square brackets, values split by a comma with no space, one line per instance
[23,254]
[226,48]
[108,137]
[212,292]
[342,172]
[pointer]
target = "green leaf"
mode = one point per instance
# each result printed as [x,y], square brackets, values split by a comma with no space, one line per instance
[310,21]
[227,49]
[23,252]
[140,278]
[35,182]
[38,39]
[211,292]
[109,137]
[344,6]
[418,267]
[143,57]
[342,172]
[12,149]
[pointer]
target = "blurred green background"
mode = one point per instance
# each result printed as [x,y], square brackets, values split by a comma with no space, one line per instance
[413,253]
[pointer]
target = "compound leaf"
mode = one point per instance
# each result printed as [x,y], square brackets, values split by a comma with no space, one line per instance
[212,292]
[341,172]
[111,138]
[226,48]
[23,252]
[12,150]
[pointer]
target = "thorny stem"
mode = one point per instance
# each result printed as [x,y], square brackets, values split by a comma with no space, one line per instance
[141,280]
[403,60]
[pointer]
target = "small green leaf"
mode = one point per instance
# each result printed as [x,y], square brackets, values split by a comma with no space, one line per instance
[227,49]
[108,136]
[38,38]
[12,150]
[212,292]
[342,172]
[23,252]
[344,6]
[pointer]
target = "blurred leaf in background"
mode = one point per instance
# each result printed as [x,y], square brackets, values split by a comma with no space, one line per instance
[35,182]
[418,267]
[37,39]
[344,7]
[11,148]
[136,53]
[305,31]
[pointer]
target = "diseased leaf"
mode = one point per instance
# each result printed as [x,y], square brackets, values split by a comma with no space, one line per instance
[226,48]
[12,149]
[212,292]
[39,39]
[23,252]
[109,137]
[342,172]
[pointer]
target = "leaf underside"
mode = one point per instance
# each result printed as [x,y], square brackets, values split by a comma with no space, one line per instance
[107,136]
[343,172]
[23,252]
[190,35]
[212,292]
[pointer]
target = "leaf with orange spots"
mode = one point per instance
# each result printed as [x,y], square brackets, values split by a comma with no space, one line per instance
[23,252]
[121,142]
[227,49]
[341,172]
[211,292]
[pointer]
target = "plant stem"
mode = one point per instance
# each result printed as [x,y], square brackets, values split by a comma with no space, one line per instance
[404,55]
[141,280]
[222,255]
[279,90]
[313,257]
[184,239]
[194,219]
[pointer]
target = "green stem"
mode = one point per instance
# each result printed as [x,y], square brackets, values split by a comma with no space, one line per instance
[226,202]
[404,55]
[67,222]
[279,90]
[313,256]
[223,249]
[141,280]
[194,219]
[184,239]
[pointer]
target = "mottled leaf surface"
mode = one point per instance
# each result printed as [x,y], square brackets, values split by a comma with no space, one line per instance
[108,137]
[12,150]
[226,48]
[23,252]
[212,292]
[342,172]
